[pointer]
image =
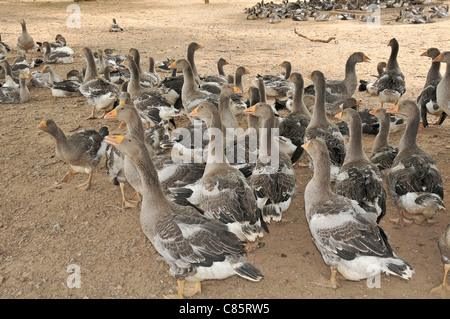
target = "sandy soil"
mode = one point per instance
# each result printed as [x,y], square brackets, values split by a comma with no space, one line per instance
[45,226]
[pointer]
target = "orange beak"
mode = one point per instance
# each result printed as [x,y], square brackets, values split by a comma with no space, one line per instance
[194,112]
[305,146]
[393,110]
[173,65]
[339,115]
[114,140]
[366,58]
[247,71]
[425,53]
[42,125]
[373,112]
[309,75]
[122,124]
[111,115]
[237,90]
[250,110]
[438,58]
[358,102]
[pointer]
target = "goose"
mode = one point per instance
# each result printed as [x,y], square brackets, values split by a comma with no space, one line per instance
[221,77]
[444,249]
[191,96]
[171,173]
[154,76]
[348,238]
[273,178]
[359,179]
[51,56]
[320,127]
[226,196]
[152,105]
[196,248]
[59,86]
[114,27]
[414,181]
[278,85]
[427,98]
[25,42]
[101,94]
[294,125]
[144,78]
[372,87]
[83,150]
[383,154]
[339,90]
[443,88]
[391,84]
[16,95]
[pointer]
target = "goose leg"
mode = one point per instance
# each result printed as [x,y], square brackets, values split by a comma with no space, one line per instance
[443,287]
[137,195]
[332,282]
[401,220]
[85,186]
[125,202]
[192,291]
[92,117]
[180,294]
[68,177]
[441,119]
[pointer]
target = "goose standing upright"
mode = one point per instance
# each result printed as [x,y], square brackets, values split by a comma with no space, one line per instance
[391,84]
[321,128]
[443,88]
[414,181]
[195,248]
[83,150]
[383,154]
[348,238]
[100,93]
[191,95]
[427,99]
[226,195]
[339,90]
[360,179]
[273,178]
[294,125]
[25,42]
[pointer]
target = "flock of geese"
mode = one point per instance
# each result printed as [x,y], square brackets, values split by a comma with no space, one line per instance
[366,11]
[203,209]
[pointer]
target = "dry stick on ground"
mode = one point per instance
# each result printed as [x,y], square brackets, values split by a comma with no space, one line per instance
[314,40]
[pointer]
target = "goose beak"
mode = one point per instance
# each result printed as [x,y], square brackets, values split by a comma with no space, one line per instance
[194,112]
[114,140]
[393,110]
[250,110]
[122,124]
[358,102]
[425,53]
[42,125]
[111,115]
[339,115]
[246,71]
[438,58]
[226,62]
[236,89]
[305,146]
[373,112]
[103,53]
[366,58]
[309,75]
[173,65]
[122,63]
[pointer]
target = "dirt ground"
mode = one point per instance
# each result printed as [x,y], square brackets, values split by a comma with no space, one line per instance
[46,226]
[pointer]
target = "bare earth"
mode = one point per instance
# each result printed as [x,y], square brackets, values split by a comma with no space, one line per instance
[45,226]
